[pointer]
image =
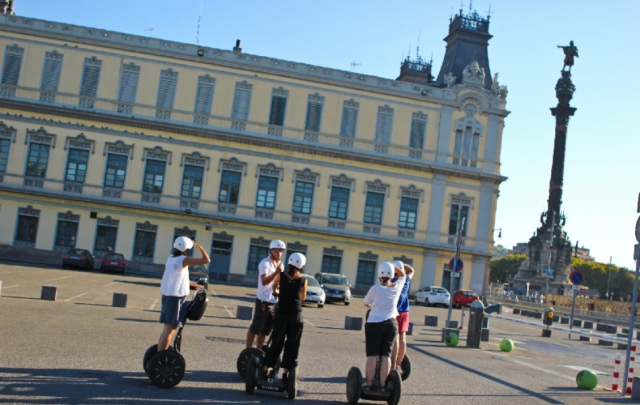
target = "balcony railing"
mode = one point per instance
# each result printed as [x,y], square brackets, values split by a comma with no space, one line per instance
[153,113]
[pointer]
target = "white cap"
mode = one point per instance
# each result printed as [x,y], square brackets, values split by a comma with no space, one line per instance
[183,243]
[277,244]
[298,260]
[385,270]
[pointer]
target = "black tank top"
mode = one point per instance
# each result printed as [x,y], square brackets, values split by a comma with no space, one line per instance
[290,290]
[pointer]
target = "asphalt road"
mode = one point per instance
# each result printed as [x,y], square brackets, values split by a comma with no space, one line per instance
[80,349]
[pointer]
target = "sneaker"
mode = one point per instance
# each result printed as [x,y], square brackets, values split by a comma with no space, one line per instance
[285,379]
[366,388]
[273,374]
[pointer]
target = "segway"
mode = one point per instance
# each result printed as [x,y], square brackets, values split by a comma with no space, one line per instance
[355,389]
[271,383]
[166,368]
[404,368]
[245,357]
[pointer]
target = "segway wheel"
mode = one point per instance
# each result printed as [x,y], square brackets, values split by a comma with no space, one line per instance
[406,367]
[251,374]
[354,385]
[292,382]
[394,386]
[148,355]
[166,368]
[244,358]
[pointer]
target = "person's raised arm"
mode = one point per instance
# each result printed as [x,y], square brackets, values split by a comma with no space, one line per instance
[193,261]
[399,272]
[303,294]
[409,270]
[267,279]
[371,295]
[275,286]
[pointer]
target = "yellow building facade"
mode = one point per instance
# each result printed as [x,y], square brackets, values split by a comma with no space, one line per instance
[114,142]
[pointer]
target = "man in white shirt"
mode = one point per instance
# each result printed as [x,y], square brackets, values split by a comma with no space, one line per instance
[268,270]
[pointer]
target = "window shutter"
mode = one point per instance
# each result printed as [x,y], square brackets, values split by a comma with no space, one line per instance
[474,146]
[241,101]
[457,149]
[278,106]
[418,130]
[384,124]
[90,77]
[314,113]
[51,71]
[12,63]
[204,95]
[129,83]
[467,142]
[167,89]
[349,119]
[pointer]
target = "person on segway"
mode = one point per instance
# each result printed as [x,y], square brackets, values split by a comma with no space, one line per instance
[175,287]
[400,345]
[381,328]
[268,271]
[288,323]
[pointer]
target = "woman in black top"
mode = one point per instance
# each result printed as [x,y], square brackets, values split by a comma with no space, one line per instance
[288,322]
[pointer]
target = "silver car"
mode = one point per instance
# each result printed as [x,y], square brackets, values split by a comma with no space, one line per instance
[433,295]
[315,293]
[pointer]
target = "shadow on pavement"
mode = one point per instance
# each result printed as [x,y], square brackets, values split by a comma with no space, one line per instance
[138,282]
[249,298]
[331,380]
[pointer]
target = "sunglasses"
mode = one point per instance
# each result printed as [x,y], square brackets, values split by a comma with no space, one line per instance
[279,250]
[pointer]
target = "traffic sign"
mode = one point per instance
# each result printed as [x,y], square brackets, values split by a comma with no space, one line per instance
[548,272]
[638,230]
[456,274]
[458,265]
[576,278]
[575,287]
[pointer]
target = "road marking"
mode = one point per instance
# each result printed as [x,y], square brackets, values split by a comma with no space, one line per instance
[213,292]
[60,278]
[229,312]
[10,286]
[580,368]
[110,284]
[79,295]
[309,322]
[153,305]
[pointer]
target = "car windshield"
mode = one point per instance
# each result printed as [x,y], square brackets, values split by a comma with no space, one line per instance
[340,280]
[114,257]
[311,282]
[469,294]
[440,290]
[197,269]
[76,252]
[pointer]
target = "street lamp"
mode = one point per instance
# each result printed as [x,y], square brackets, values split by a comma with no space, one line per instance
[499,232]
[609,278]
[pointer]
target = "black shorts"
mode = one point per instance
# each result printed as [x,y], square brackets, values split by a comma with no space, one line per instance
[380,337]
[174,310]
[262,318]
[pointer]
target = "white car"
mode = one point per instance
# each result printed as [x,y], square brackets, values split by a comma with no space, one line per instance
[315,293]
[433,295]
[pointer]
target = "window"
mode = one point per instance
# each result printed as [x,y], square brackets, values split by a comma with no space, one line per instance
[339,202]
[468,131]
[4,154]
[38,159]
[11,68]
[418,132]
[192,181]
[241,103]
[204,95]
[77,165]
[27,229]
[89,83]
[331,264]
[384,125]
[116,171]
[446,280]
[129,76]
[314,113]
[349,120]
[166,93]
[229,187]
[408,212]
[144,244]
[220,257]
[373,208]
[184,232]
[66,235]
[366,272]
[106,238]
[256,254]
[50,76]
[457,213]
[303,197]
[154,176]
[278,107]
[267,190]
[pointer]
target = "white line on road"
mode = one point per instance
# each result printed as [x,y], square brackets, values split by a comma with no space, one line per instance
[309,322]
[110,284]
[153,305]
[229,312]
[213,292]
[10,286]
[60,278]
[79,295]
[524,363]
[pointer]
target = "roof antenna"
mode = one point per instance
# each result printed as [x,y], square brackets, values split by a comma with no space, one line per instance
[418,47]
[470,6]
[198,31]
[489,12]
[354,64]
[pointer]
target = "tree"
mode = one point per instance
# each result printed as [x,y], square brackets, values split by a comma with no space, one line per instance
[504,267]
[499,252]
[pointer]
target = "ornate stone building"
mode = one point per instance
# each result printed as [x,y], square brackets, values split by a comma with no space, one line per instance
[117,142]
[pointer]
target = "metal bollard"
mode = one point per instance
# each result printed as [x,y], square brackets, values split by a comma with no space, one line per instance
[430,320]
[0,288]
[244,313]
[49,293]
[410,331]
[119,300]
[352,323]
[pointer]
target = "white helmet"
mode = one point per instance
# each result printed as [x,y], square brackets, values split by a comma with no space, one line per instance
[298,260]
[183,243]
[277,244]
[385,270]
[398,264]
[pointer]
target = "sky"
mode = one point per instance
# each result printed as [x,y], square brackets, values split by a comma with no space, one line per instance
[602,168]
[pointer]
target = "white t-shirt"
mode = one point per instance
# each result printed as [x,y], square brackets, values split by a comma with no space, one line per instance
[265,292]
[175,280]
[384,301]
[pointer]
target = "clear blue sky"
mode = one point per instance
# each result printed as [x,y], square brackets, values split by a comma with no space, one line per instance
[602,172]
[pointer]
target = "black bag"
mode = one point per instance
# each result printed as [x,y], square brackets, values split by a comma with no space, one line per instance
[197,305]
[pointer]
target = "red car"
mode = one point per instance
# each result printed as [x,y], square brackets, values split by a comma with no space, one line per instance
[464,298]
[113,262]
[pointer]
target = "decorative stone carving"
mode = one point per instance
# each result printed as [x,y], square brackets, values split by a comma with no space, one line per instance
[233,164]
[411,192]
[69,216]
[297,247]
[333,251]
[342,181]
[371,229]
[146,226]
[336,224]
[473,74]
[108,221]
[80,142]
[449,79]
[112,193]
[368,256]
[223,236]
[496,89]
[405,234]
[118,148]
[41,136]
[306,175]
[150,198]
[28,211]
[226,208]
[185,231]
[189,203]
[7,132]
[461,199]
[262,213]
[33,182]
[377,186]
[404,259]
[195,159]
[269,170]
[300,219]
[260,241]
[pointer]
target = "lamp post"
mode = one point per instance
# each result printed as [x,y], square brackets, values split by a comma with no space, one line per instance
[609,278]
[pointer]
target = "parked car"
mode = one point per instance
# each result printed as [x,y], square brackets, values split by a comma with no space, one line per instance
[78,258]
[335,286]
[315,293]
[113,262]
[432,295]
[464,298]
[199,275]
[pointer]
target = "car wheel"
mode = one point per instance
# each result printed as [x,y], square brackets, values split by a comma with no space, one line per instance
[426,302]
[347,303]
[64,266]
[457,305]
[320,305]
